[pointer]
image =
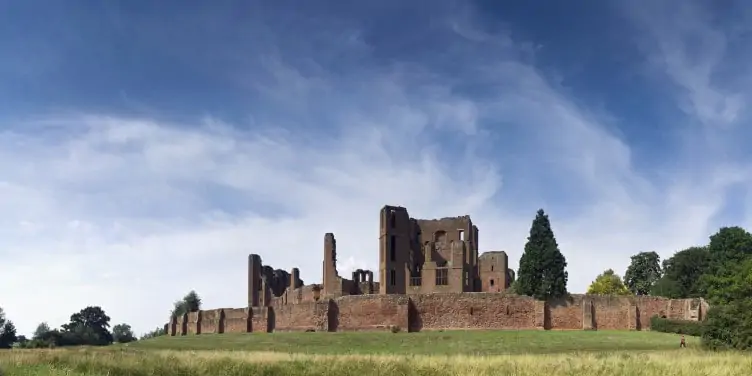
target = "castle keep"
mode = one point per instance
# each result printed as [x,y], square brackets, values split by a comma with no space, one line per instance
[430,277]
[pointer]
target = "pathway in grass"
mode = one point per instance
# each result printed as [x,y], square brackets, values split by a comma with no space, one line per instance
[437,343]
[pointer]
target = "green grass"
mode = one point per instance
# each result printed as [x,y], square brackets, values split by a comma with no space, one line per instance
[459,353]
[426,343]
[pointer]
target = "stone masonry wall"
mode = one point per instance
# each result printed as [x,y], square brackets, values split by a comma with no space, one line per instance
[301,317]
[418,312]
[371,312]
[472,311]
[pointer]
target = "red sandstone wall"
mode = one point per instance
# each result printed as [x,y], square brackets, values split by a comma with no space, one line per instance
[439,311]
[472,311]
[260,319]
[306,293]
[179,326]
[610,312]
[371,312]
[192,327]
[564,314]
[210,321]
[236,320]
[650,306]
[301,317]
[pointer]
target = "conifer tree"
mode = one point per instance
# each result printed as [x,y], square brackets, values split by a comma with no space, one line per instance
[542,273]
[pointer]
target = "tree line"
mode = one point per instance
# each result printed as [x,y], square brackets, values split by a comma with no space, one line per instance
[90,326]
[720,272]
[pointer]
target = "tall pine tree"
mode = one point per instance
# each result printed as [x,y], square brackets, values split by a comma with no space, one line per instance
[542,272]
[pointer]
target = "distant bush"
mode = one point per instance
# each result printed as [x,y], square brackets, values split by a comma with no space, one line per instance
[395,329]
[686,327]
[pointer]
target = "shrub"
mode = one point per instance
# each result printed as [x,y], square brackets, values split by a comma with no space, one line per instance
[686,327]
[395,329]
[729,326]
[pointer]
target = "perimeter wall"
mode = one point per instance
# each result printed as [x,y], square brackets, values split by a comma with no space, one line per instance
[442,311]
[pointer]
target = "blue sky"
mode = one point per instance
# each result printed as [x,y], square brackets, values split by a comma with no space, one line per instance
[148,147]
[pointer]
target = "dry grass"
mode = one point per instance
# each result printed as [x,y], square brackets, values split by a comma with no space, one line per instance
[78,362]
[364,354]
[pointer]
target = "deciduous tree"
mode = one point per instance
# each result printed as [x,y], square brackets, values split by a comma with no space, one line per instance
[122,333]
[728,246]
[682,274]
[542,273]
[7,332]
[154,333]
[643,272]
[7,335]
[608,283]
[729,321]
[41,330]
[90,326]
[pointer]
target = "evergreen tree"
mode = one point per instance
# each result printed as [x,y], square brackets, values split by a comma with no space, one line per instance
[542,272]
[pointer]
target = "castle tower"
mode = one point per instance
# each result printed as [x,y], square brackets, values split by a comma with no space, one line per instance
[330,265]
[394,249]
[294,278]
[254,279]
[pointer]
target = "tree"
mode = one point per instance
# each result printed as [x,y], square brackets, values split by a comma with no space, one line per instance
[122,333]
[7,331]
[643,273]
[608,283]
[682,274]
[729,321]
[22,341]
[41,330]
[90,326]
[7,335]
[191,302]
[542,273]
[179,309]
[728,246]
[44,336]
[160,331]
[731,284]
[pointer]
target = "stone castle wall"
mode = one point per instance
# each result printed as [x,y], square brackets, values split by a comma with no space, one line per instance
[442,311]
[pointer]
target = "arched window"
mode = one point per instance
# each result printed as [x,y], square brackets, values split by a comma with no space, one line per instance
[439,236]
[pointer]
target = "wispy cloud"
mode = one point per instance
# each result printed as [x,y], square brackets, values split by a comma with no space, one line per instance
[131,211]
[693,48]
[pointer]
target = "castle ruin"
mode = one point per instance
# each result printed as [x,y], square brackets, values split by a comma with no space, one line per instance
[430,277]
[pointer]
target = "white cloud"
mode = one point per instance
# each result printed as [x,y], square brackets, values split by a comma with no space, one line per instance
[131,212]
[691,50]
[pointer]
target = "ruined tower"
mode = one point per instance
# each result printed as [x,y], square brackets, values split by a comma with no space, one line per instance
[254,280]
[330,275]
[394,249]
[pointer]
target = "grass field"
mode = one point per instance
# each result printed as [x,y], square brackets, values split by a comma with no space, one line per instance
[431,353]
[427,343]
